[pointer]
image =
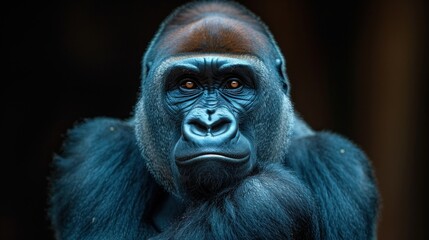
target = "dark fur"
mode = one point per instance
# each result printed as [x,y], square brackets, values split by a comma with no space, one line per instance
[112,182]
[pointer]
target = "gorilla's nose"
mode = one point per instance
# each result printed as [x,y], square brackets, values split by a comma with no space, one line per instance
[210,125]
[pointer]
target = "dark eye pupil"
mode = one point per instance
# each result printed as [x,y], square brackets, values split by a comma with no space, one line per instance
[234,84]
[188,85]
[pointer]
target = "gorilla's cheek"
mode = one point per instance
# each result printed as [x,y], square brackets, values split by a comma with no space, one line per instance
[272,126]
[156,134]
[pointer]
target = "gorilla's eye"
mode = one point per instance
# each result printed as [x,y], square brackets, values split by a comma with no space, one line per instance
[188,84]
[233,83]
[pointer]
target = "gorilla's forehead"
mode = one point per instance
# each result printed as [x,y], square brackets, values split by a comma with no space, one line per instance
[215,33]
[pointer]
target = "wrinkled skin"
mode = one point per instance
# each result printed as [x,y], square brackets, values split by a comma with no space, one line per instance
[214,149]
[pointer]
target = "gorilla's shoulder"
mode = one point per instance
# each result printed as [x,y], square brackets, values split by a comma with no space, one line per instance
[100,138]
[328,148]
[324,142]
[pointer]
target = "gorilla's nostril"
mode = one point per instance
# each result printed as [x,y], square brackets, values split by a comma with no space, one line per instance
[220,127]
[198,128]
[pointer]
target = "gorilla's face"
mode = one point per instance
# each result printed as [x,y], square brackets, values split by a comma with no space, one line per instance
[206,120]
[212,94]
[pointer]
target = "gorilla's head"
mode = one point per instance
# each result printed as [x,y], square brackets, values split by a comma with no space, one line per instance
[214,102]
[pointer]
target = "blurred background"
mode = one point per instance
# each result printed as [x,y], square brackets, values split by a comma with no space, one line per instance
[359,68]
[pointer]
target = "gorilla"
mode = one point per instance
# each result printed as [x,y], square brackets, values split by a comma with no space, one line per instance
[213,150]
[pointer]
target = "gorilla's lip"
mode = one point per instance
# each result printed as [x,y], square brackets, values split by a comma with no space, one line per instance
[213,157]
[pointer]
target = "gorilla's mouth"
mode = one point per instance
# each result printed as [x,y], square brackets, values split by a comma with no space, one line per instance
[205,157]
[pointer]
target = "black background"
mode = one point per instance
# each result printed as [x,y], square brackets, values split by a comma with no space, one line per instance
[65,61]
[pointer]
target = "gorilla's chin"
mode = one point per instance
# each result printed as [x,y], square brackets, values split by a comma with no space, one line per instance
[207,167]
[205,179]
[208,175]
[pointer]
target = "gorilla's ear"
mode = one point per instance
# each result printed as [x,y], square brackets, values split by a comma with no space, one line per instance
[281,68]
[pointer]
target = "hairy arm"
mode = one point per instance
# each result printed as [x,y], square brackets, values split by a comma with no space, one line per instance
[341,180]
[100,186]
[272,204]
